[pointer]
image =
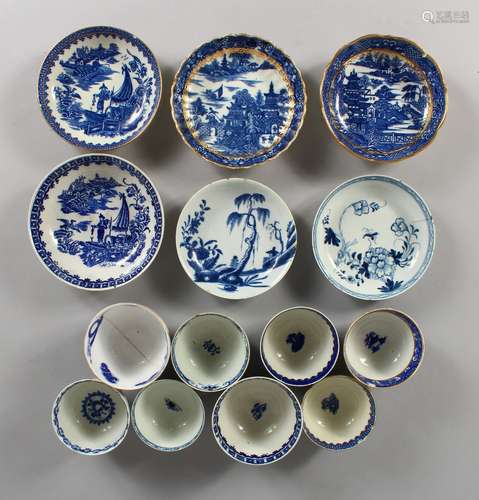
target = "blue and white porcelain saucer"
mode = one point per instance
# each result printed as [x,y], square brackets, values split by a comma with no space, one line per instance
[383,97]
[236,238]
[99,87]
[238,101]
[373,237]
[96,222]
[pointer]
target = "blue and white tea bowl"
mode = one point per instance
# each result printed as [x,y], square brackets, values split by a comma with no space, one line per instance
[127,346]
[96,222]
[257,421]
[299,346]
[383,348]
[236,238]
[99,87]
[238,101]
[373,237]
[383,98]
[168,415]
[90,418]
[338,413]
[210,352]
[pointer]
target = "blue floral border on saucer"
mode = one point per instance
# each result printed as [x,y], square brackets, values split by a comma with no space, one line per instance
[431,240]
[238,41]
[259,459]
[58,50]
[410,51]
[37,207]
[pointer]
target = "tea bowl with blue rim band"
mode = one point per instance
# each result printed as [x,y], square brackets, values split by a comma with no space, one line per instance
[99,87]
[338,413]
[168,415]
[127,346]
[210,352]
[299,346]
[96,222]
[383,98]
[257,421]
[383,348]
[238,101]
[373,237]
[90,417]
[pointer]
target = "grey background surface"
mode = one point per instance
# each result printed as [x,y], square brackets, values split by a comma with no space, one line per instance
[425,443]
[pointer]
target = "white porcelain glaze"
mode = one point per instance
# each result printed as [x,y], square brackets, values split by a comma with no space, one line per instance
[338,412]
[383,348]
[210,352]
[299,346]
[257,421]
[168,415]
[90,418]
[127,346]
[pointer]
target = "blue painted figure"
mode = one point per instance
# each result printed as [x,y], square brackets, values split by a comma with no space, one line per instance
[106,372]
[296,340]
[98,407]
[211,347]
[331,403]
[258,410]
[171,405]
[374,342]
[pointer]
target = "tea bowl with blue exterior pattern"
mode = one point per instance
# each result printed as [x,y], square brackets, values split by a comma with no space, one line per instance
[383,348]
[299,346]
[168,415]
[210,352]
[338,413]
[127,346]
[90,417]
[257,421]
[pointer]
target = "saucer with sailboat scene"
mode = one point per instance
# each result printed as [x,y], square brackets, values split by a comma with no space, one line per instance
[96,222]
[99,87]
[238,101]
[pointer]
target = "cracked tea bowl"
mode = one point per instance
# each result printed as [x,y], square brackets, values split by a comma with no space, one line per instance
[168,415]
[338,413]
[90,417]
[127,346]
[257,421]
[383,348]
[299,346]
[210,352]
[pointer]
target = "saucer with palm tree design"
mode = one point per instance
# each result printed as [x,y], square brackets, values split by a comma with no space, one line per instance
[236,238]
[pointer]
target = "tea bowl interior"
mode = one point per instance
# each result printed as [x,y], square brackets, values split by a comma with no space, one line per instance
[168,415]
[299,346]
[338,412]
[90,418]
[383,348]
[127,346]
[257,421]
[210,352]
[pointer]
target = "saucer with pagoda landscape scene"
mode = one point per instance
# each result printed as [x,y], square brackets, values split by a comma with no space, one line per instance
[99,87]
[238,101]
[383,98]
[96,222]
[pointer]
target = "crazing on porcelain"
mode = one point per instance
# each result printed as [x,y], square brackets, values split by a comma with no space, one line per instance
[248,211]
[296,340]
[331,404]
[171,405]
[211,348]
[374,342]
[98,407]
[258,410]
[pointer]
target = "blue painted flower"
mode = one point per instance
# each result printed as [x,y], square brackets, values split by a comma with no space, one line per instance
[399,227]
[380,263]
[361,207]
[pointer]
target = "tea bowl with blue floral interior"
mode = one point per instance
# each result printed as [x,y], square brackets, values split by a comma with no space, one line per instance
[257,421]
[168,415]
[373,237]
[238,101]
[99,87]
[383,348]
[127,346]
[338,413]
[90,417]
[383,98]
[210,352]
[236,238]
[299,346]
[96,222]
